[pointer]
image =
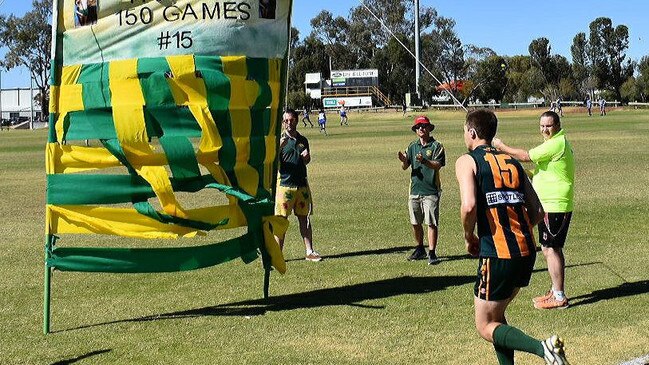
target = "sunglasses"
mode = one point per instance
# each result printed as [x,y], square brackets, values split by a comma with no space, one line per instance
[421,126]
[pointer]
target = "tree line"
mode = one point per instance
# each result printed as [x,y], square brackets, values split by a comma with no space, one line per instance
[472,73]
[359,41]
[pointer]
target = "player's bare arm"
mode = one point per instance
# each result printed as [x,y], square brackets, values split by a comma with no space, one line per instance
[517,153]
[465,174]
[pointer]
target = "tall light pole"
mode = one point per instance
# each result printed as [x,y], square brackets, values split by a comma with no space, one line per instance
[31,99]
[0,96]
[417,68]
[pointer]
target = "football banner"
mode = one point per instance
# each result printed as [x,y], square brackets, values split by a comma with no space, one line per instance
[153,102]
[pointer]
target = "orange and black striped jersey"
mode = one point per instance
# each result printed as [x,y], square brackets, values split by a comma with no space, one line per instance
[504,226]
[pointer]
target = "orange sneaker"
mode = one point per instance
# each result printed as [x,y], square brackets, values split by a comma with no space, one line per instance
[552,303]
[543,297]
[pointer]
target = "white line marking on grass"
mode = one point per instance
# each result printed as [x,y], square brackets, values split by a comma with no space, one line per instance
[639,361]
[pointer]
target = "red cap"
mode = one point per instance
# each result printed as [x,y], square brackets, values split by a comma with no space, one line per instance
[422,120]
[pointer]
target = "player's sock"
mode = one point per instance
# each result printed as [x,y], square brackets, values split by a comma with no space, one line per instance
[505,356]
[558,295]
[512,338]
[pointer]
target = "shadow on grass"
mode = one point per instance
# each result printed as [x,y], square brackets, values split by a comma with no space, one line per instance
[351,295]
[622,290]
[383,251]
[545,269]
[79,358]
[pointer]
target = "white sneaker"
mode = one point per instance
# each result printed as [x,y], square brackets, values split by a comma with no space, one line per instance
[313,256]
[554,351]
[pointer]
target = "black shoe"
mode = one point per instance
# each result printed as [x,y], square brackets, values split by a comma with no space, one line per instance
[433,259]
[418,254]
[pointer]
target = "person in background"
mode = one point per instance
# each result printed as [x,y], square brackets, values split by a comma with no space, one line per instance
[425,156]
[553,180]
[559,107]
[497,198]
[293,193]
[343,115]
[322,121]
[305,117]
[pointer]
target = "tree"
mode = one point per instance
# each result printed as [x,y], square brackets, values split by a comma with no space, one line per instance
[332,32]
[396,69]
[606,51]
[371,41]
[540,50]
[298,99]
[451,62]
[580,64]
[519,87]
[28,40]
[629,90]
[491,79]
[306,57]
[643,78]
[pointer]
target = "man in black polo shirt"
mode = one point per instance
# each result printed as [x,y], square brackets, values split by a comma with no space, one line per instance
[293,193]
[426,156]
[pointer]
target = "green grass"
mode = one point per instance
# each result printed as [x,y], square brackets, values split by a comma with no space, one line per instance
[364,304]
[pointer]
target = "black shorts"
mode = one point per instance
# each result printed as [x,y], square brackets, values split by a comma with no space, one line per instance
[497,278]
[553,229]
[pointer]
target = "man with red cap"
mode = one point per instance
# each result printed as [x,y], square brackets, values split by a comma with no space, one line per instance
[425,156]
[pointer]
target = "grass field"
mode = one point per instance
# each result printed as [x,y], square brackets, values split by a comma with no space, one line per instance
[364,304]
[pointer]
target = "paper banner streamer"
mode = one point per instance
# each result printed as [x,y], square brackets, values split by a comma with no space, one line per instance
[151,102]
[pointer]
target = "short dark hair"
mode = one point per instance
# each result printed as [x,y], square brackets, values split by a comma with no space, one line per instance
[555,117]
[484,122]
[291,111]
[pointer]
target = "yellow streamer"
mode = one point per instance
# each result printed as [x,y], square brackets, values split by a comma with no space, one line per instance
[128,116]
[240,102]
[274,66]
[111,221]
[279,226]
[71,159]
[81,219]
[189,90]
[69,96]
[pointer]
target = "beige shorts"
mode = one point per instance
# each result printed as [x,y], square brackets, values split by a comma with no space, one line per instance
[424,209]
[291,199]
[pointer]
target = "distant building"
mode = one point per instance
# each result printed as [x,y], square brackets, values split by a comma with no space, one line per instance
[18,103]
[342,78]
[313,85]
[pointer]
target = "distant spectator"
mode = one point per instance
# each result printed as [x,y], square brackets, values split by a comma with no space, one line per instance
[322,121]
[92,12]
[589,105]
[559,108]
[305,117]
[343,115]
[81,12]
[602,107]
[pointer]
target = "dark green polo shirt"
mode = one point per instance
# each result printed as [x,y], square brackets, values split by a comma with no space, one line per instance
[292,169]
[424,180]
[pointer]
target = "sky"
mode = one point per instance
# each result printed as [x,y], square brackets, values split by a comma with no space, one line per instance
[507,27]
